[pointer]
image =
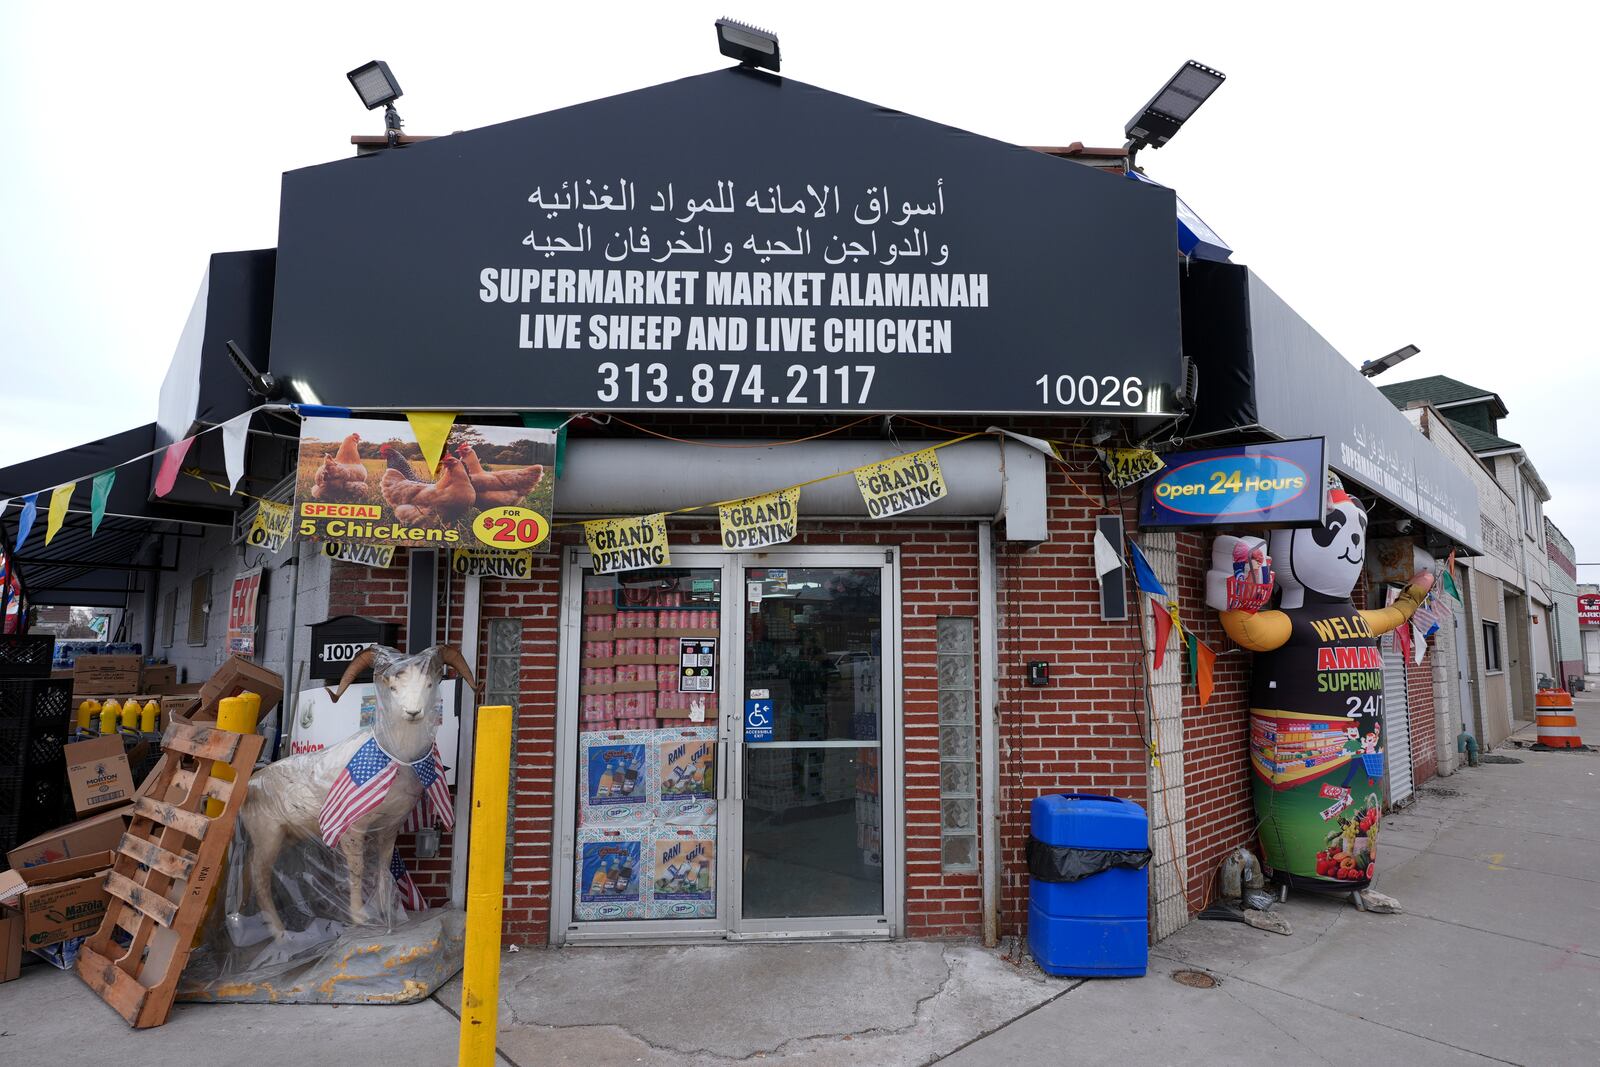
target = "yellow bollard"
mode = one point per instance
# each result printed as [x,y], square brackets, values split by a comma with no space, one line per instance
[486,864]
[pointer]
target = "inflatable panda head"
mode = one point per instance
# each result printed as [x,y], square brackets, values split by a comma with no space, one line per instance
[1322,564]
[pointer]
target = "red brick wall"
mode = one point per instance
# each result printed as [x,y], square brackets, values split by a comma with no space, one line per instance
[1219,803]
[1420,712]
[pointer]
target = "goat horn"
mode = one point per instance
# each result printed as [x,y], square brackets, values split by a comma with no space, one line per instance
[362,661]
[451,655]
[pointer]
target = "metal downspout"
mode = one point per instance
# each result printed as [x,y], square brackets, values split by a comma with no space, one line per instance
[989,734]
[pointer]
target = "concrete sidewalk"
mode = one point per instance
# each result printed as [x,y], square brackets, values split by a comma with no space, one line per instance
[1497,957]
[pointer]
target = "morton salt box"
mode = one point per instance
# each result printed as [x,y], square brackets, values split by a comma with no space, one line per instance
[98,775]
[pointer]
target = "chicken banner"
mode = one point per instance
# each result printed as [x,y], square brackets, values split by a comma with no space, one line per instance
[366,482]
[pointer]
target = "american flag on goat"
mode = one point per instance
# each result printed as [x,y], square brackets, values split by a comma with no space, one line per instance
[410,895]
[366,780]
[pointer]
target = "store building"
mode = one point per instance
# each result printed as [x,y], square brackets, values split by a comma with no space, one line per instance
[920,677]
[1566,640]
[1511,599]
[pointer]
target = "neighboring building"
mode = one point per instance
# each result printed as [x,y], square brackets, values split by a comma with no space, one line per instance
[1566,643]
[1589,626]
[1510,602]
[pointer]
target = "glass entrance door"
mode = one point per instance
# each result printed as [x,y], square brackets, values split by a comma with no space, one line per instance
[810,815]
[681,817]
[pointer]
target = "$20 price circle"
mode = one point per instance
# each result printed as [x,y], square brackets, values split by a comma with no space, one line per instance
[511,528]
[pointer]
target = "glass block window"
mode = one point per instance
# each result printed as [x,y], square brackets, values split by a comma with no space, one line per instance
[502,685]
[958,770]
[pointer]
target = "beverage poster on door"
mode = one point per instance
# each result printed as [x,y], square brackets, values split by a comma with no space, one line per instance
[610,874]
[688,767]
[614,773]
[683,875]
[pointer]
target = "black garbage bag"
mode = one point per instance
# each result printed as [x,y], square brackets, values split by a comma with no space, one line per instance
[1064,863]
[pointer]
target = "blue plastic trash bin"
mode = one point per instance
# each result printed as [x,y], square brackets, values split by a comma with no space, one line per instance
[1096,925]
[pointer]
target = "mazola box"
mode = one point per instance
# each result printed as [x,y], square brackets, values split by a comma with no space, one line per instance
[99,775]
[97,833]
[58,900]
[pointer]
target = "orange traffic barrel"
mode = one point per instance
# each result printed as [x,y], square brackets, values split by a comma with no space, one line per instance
[1556,724]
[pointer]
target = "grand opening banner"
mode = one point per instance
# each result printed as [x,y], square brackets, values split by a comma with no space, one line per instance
[365,482]
[731,241]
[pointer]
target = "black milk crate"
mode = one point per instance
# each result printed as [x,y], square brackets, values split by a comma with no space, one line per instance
[26,655]
[35,717]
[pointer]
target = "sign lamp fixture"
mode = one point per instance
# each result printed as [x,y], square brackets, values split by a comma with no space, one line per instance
[375,84]
[1171,107]
[750,46]
[1374,367]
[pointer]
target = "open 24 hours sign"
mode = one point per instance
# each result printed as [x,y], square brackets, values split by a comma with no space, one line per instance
[1282,483]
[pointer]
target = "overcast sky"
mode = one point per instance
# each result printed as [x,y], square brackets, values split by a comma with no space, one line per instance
[1399,176]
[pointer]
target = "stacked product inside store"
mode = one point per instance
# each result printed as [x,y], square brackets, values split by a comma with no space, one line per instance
[647,750]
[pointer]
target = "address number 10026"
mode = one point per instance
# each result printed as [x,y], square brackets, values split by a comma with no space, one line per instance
[1090,391]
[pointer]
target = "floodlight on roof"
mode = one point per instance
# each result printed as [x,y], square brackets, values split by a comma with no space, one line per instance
[752,47]
[1374,367]
[1172,106]
[375,84]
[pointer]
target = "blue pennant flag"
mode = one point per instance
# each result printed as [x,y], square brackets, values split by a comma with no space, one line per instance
[30,511]
[1143,576]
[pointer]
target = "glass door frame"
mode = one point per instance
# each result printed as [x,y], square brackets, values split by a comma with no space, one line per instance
[727,924]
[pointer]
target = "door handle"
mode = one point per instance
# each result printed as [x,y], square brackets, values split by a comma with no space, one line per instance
[722,770]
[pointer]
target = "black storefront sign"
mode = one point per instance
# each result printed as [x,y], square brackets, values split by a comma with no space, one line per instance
[732,241]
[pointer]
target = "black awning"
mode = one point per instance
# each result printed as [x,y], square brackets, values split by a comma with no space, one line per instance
[1264,367]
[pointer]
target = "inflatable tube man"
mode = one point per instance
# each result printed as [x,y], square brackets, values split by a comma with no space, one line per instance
[1316,701]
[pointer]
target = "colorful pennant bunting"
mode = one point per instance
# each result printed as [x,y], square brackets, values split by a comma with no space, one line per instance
[234,434]
[1162,622]
[171,464]
[1143,576]
[431,428]
[30,511]
[60,498]
[99,493]
[1205,668]
[1106,559]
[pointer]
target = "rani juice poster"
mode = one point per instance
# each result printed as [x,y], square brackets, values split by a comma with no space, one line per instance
[688,768]
[684,874]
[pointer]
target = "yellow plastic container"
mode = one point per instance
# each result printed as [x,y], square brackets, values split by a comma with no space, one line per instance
[150,717]
[87,711]
[110,716]
[130,714]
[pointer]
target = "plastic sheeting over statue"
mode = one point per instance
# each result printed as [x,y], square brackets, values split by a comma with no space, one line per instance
[1316,700]
[314,853]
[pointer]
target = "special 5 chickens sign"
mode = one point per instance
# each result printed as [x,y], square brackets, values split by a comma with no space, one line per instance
[366,482]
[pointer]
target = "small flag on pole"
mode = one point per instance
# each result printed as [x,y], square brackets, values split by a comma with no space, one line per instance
[1143,576]
[1205,669]
[60,498]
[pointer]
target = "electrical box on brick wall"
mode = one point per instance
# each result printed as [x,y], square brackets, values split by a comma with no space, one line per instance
[337,641]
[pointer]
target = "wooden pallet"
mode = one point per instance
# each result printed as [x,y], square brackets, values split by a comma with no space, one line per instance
[166,867]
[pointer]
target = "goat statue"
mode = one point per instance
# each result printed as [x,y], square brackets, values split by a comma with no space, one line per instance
[354,796]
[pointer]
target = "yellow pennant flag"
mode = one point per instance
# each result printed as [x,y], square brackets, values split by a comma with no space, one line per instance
[59,499]
[431,429]
[759,521]
[631,544]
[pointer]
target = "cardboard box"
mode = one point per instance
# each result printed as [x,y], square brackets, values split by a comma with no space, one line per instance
[98,833]
[10,944]
[158,679]
[101,675]
[98,775]
[236,675]
[58,904]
